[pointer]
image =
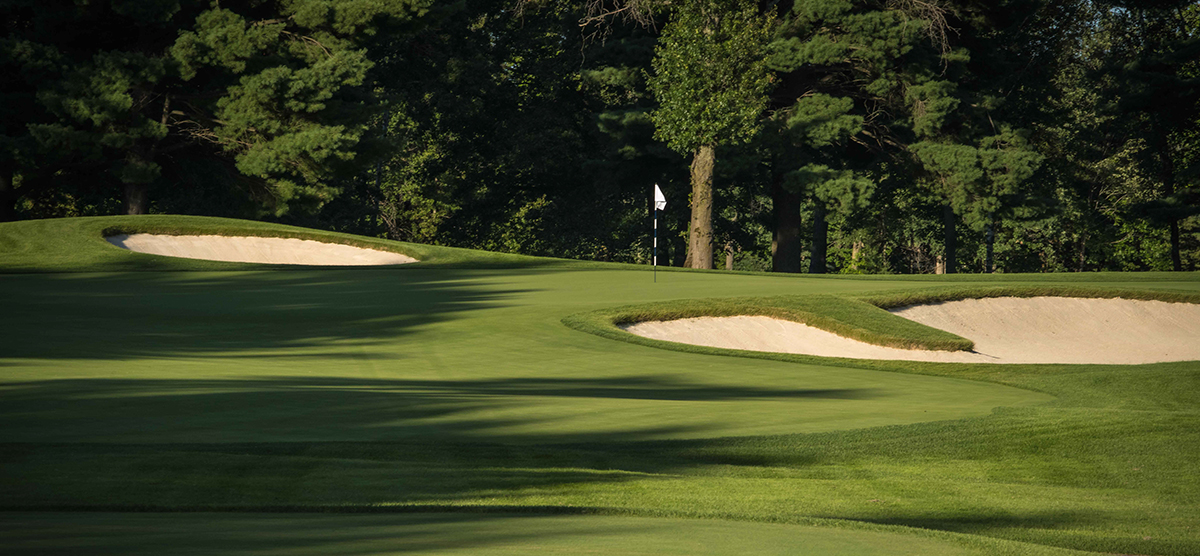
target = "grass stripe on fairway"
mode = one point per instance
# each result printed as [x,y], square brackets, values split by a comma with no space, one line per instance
[463,533]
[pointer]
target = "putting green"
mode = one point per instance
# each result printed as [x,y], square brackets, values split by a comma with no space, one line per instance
[475,534]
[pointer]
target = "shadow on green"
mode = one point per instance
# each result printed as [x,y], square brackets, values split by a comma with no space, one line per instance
[118,316]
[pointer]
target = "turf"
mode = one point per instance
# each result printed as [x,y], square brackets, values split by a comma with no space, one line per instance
[78,245]
[842,315]
[453,385]
[462,533]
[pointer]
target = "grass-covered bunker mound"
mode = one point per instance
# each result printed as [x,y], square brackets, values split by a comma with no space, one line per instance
[249,249]
[86,245]
[1008,325]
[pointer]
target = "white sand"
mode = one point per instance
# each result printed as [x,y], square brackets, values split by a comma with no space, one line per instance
[1004,329]
[269,250]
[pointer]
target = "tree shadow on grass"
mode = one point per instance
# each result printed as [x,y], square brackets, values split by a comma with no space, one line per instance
[418,468]
[297,442]
[306,534]
[132,315]
[294,409]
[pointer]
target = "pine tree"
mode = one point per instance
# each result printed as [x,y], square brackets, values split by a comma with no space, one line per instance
[971,158]
[132,88]
[1157,81]
[842,74]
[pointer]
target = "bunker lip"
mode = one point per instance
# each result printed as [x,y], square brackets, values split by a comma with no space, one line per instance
[1004,329]
[265,250]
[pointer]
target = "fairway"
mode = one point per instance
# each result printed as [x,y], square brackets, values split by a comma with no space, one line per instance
[378,355]
[427,534]
[453,384]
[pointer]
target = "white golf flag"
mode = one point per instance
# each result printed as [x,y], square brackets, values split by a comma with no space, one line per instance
[660,201]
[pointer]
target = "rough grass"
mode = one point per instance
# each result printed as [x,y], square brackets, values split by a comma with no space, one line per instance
[454,392]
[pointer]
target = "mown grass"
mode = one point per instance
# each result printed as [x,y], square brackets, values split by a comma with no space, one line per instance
[846,317]
[484,534]
[862,317]
[457,389]
[892,300]
[78,245]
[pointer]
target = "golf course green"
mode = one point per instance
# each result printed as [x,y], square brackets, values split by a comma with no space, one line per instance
[480,403]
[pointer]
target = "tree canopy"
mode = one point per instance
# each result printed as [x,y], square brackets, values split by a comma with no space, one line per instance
[805,135]
[140,93]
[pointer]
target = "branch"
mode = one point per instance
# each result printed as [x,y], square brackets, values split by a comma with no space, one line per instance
[308,40]
[600,15]
[934,15]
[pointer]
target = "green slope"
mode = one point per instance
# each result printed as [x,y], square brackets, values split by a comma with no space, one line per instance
[78,245]
[453,383]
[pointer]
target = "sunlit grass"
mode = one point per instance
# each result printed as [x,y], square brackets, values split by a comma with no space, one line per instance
[455,387]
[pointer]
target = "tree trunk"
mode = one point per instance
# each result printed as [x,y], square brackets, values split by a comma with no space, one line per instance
[1176,260]
[700,230]
[988,266]
[1082,251]
[951,239]
[1168,179]
[140,170]
[728,256]
[8,195]
[785,245]
[136,198]
[820,241]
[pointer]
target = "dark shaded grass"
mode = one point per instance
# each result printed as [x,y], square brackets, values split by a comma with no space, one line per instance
[212,410]
[111,316]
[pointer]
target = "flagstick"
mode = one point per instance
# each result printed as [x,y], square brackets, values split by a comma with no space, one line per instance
[660,202]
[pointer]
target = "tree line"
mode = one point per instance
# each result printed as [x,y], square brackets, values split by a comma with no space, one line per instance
[852,136]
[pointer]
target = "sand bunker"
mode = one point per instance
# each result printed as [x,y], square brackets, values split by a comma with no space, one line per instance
[1004,329]
[269,250]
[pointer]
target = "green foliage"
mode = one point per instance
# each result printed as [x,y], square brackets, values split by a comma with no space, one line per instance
[843,189]
[973,179]
[710,74]
[1064,131]
[821,120]
[134,88]
[932,102]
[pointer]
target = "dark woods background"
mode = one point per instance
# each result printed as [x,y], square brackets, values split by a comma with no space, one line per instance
[894,136]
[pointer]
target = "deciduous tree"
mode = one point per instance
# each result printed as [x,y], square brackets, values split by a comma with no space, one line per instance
[710,78]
